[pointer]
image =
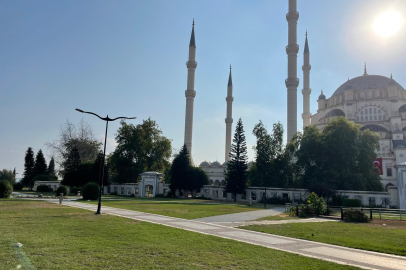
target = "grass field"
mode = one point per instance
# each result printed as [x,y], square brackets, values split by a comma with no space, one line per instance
[61,237]
[369,236]
[188,209]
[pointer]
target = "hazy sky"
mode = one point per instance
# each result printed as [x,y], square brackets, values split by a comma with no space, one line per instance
[128,58]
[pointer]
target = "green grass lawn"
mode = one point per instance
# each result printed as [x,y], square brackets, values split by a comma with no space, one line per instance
[61,237]
[187,208]
[375,237]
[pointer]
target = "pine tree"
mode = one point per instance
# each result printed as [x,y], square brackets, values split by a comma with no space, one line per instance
[73,161]
[28,168]
[181,170]
[40,166]
[51,167]
[236,175]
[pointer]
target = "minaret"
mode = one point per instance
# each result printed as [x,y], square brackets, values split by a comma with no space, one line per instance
[229,116]
[292,81]
[190,92]
[306,85]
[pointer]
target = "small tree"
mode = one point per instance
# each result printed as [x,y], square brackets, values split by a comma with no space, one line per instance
[5,189]
[71,165]
[236,176]
[28,168]
[40,166]
[7,175]
[51,167]
[91,191]
[318,203]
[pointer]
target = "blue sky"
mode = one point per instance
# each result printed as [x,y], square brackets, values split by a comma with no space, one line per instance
[128,58]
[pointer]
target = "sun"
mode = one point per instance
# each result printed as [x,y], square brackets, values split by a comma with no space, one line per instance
[388,23]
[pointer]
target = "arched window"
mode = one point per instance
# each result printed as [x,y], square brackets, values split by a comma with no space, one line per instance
[380,117]
[370,110]
[357,118]
[375,118]
[362,118]
[362,112]
[370,118]
[374,110]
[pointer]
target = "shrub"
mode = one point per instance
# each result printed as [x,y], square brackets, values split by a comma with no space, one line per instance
[318,203]
[5,189]
[292,211]
[62,189]
[275,200]
[91,191]
[352,203]
[43,188]
[75,190]
[18,186]
[355,216]
[302,214]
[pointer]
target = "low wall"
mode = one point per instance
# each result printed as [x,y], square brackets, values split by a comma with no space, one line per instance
[386,199]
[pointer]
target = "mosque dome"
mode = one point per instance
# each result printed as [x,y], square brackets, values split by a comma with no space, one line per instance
[322,96]
[225,164]
[216,164]
[204,164]
[367,82]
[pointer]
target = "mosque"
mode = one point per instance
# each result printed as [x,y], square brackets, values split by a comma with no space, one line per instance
[376,102]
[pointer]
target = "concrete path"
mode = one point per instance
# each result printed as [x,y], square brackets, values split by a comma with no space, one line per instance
[337,254]
[274,222]
[244,216]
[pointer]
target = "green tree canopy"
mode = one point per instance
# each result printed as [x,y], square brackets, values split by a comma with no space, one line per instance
[236,176]
[29,168]
[183,175]
[7,175]
[140,148]
[72,164]
[338,157]
[40,166]
[79,137]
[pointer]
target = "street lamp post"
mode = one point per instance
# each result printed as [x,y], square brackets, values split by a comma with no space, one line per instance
[101,174]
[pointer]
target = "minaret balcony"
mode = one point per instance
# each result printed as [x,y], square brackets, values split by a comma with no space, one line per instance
[307,91]
[292,48]
[306,68]
[190,93]
[191,64]
[292,16]
[292,82]
[229,120]
[228,99]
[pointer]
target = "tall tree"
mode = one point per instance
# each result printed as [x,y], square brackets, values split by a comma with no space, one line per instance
[140,148]
[183,175]
[96,170]
[71,136]
[236,176]
[180,170]
[71,176]
[40,166]
[339,157]
[51,167]
[28,168]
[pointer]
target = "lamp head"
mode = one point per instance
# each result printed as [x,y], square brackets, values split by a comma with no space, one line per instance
[79,110]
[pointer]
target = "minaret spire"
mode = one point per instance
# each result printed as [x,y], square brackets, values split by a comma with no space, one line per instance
[306,91]
[229,115]
[190,92]
[365,68]
[292,81]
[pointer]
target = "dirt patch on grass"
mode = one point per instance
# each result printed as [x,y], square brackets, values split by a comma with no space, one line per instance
[396,224]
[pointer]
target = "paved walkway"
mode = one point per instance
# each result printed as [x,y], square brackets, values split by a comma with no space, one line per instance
[337,254]
[273,222]
[244,216]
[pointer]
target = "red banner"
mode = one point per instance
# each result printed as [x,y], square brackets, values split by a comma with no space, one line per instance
[378,164]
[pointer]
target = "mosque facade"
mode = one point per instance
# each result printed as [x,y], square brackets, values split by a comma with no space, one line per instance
[376,102]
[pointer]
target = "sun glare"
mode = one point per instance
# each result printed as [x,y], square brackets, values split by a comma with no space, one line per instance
[388,23]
